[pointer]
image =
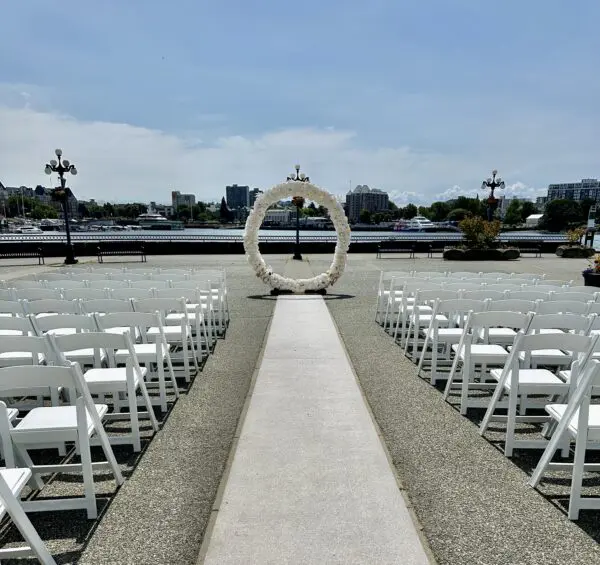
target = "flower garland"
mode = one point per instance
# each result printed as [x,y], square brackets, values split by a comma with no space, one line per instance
[340,222]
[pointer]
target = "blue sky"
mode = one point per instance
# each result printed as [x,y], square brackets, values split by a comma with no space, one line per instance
[421,99]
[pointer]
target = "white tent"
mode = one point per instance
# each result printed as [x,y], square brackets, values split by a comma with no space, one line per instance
[533,220]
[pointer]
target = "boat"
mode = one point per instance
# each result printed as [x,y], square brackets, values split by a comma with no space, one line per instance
[154,221]
[29,229]
[418,223]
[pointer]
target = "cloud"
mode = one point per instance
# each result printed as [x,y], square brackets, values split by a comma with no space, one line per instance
[124,162]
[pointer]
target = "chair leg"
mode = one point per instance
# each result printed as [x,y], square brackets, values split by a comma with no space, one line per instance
[577,478]
[133,415]
[83,441]
[464,390]
[511,420]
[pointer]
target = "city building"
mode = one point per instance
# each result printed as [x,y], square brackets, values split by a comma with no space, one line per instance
[254,195]
[281,217]
[237,196]
[365,198]
[178,199]
[162,209]
[540,202]
[586,189]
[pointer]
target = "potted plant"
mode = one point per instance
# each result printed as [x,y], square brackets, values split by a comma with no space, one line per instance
[574,249]
[591,275]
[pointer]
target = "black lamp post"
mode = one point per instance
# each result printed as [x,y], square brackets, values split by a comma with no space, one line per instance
[492,183]
[298,201]
[62,195]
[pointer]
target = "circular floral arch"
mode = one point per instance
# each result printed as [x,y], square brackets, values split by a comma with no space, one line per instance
[336,212]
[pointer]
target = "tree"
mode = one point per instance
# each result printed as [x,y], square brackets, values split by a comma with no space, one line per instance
[560,213]
[409,212]
[458,214]
[378,217]
[225,213]
[439,211]
[365,217]
[425,211]
[41,211]
[513,215]
[527,208]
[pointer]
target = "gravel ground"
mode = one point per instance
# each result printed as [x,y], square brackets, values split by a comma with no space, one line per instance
[472,502]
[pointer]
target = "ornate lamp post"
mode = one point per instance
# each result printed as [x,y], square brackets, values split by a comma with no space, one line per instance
[298,201]
[492,183]
[62,195]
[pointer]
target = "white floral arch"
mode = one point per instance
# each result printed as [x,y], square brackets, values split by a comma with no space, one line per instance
[336,212]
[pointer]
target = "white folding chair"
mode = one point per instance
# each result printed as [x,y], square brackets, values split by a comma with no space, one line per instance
[476,348]
[66,284]
[150,353]
[25,284]
[519,380]
[56,424]
[440,336]
[51,306]
[12,482]
[515,305]
[563,307]
[13,325]
[11,308]
[177,336]
[592,290]
[105,378]
[32,294]
[529,294]
[566,294]
[578,420]
[84,293]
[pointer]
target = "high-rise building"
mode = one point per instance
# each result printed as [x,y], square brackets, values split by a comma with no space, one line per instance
[254,195]
[178,199]
[237,196]
[586,189]
[365,198]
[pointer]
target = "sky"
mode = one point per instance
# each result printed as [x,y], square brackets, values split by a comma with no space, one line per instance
[420,99]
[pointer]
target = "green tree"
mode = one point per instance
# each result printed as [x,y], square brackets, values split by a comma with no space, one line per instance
[513,215]
[560,214]
[409,211]
[527,208]
[365,217]
[439,211]
[41,211]
[425,211]
[378,217]
[458,214]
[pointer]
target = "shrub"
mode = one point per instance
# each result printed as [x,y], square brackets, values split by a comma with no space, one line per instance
[574,236]
[479,232]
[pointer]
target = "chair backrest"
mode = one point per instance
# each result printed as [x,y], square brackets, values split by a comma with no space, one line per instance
[563,306]
[25,343]
[106,305]
[498,274]
[528,276]
[426,297]
[458,309]
[483,294]
[564,321]
[187,293]
[103,276]
[587,289]
[51,277]
[84,293]
[23,284]
[492,318]
[529,294]
[137,276]
[130,293]
[37,293]
[13,325]
[51,306]
[464,275]
[67,284]
[557,283]
[137,322]
[430,274]
[464,285]
[162,305]
[150,284]
[549,288]
[515,305]
[108,283]
[575,343]
[521,281]
[411,286]
[77,322]
[568,295]
[37,376]
[12,307]
[104,345]
[505,286]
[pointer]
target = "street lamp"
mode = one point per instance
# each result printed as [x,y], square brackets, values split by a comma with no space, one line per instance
[492,183]
[62,195]
[298,201]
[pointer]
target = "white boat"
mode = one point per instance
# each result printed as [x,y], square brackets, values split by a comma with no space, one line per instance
[418,223]
[154,221]
[29,229]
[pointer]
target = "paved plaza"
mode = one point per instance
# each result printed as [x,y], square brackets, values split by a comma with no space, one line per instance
[470,502]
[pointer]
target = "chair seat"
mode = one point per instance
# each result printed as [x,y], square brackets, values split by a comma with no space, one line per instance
[51,419]
[171,333]
[425,319]
[176,317]
[538,380]
[83,356]
[446,335]
[423,309]
[61,331]
[145,352]
[548,331]
[484,353]
[120,330]
[557,411]
[16,479]
[507,334]
[548,357]
[11,332]
[113,378]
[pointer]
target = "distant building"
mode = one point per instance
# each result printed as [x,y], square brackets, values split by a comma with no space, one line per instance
[533,220]
[540,202]
[278,216]
[586,189]
[237,196]
[163,209]
[178,199]
[365,198]
[254,195]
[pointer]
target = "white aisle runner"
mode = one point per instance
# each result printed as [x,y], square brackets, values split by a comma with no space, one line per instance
[310,482]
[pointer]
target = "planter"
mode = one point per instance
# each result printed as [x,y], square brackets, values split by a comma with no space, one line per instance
[574,251]
[591,279]
[476,254]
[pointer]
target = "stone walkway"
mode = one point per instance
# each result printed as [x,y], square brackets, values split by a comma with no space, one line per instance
[310,481]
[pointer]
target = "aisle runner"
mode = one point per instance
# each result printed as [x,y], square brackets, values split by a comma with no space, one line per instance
[310,482]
